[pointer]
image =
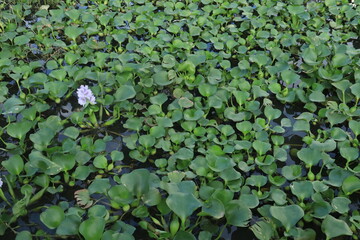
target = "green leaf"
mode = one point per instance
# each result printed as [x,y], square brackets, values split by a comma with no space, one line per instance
[287,215]
[100,162]
[147,140]
[182,235]
[317,96]
[355,89]
[137,182]
[237,215]
[341,204]
[289,77]
[219,163]
[302,190]
[214,207]
[161,78]
[309,156]
[92,228]
[69,226]
[124,92]
[349,153]
[52,217]
[169,61]
[340,60]
[309,55]
[73,32]
[333,227]
[271,113]
[19,129]
[21,40]
[71,132]
[263,230]
[355,127]
[351,184]
[14,165]
[183,204]
[261,147]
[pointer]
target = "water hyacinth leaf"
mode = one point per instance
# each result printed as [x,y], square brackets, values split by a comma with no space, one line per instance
[249,200]
[100,162]
[237,214]
[333,227]
[289,77]
[260,58]
[161,78]
[244,127]
[168,61]
[124,92]
[317,96]
[309,55]
[227,130]
[72,132]
[137,182]
[92,228]
[69,226]
[335,117]
[83,199]
[340,60]
[207,90]
[13,105]
[219,163]
[351,184]
[185,102]
[256,180]
[261,147]
[271,113]
[147,140]
[355,89]
[38,160]
[52,217]
[71,58]
[182,235]
[120,194]
[262,230]
[337,177]
[349,153]
[287,215]
[301,125]
[14,165]
[213,207]
[193,114]
[23,235]
[19,129]
[355,127]
[183,204]
[21,40]
[100,185]
[302,189]
[133,124]
[56,89]
[278,196]
[73,32]
[309,156]
[305,234]
[341,204]
[321,209]
[291,172]
[81,172]
[152,197]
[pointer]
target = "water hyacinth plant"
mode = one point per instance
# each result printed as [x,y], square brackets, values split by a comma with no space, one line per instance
[85,95]
[197,119]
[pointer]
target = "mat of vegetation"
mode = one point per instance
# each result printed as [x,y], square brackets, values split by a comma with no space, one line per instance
[180,119]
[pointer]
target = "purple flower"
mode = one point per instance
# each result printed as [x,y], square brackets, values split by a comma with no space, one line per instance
[85,95]
[1,182]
